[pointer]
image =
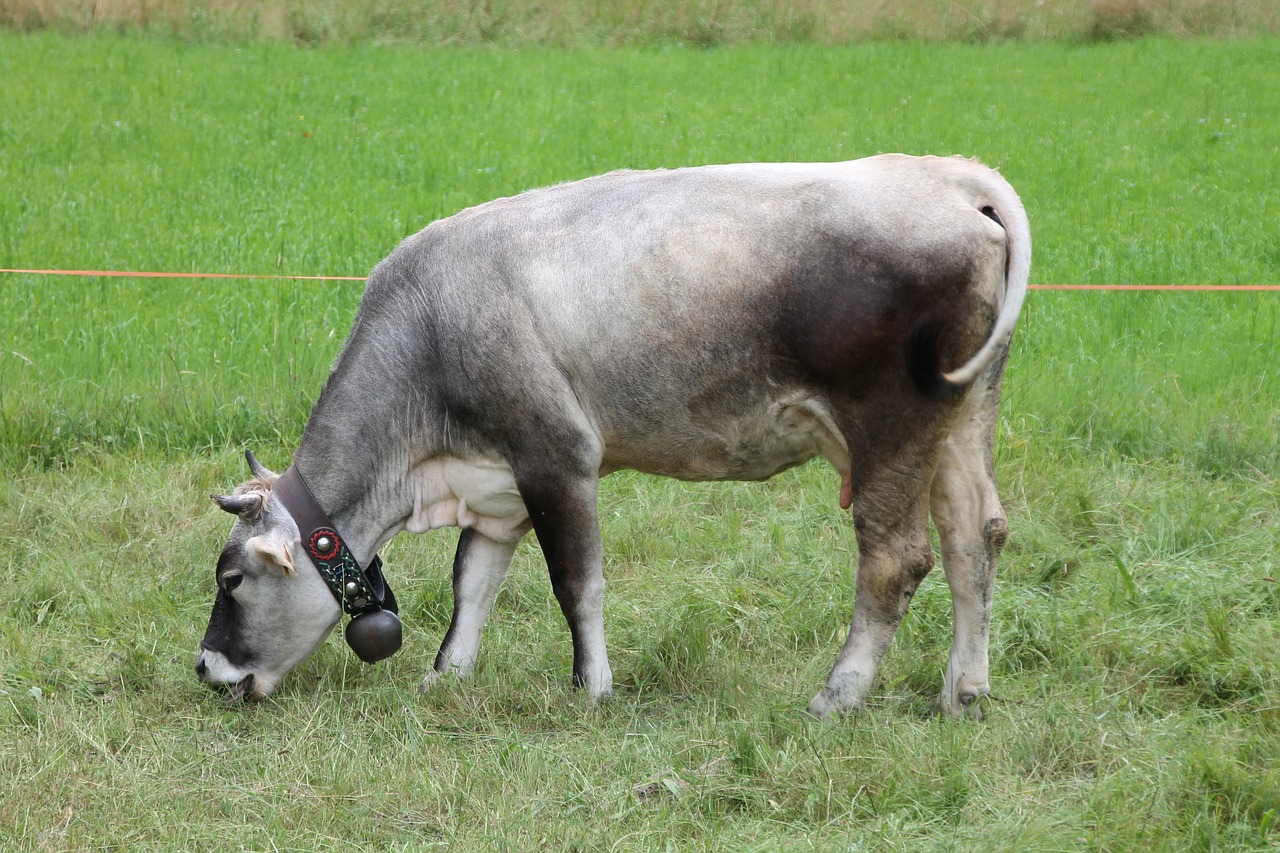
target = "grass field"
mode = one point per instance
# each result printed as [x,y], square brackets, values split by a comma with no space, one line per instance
[1136,647]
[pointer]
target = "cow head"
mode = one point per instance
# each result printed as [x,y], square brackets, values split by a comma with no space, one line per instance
[272,608]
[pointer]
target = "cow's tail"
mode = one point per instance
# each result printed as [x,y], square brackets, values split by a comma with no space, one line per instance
[998,201]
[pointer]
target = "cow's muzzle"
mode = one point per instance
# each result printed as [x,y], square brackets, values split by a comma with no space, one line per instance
[246,687]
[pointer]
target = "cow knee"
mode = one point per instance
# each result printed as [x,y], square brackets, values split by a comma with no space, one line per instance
[914,570]
[892,582]
[917,565]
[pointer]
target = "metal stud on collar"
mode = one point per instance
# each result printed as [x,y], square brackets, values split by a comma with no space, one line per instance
[338,566]
[374,632]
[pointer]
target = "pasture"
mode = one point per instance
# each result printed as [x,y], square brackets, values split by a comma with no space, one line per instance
[1136,640]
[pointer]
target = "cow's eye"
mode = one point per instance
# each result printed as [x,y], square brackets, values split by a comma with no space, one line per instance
[231,581]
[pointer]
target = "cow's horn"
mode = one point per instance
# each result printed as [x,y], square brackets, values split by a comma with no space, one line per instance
[239,504]
[256,467]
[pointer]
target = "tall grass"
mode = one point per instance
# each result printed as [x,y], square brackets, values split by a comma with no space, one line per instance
[1137,620]
[634,22]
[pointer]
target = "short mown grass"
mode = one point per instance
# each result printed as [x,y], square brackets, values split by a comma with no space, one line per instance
[1136,655]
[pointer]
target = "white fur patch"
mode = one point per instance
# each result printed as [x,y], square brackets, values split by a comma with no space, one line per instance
[478,493]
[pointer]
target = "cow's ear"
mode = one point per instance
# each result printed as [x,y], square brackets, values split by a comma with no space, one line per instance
[273,549]
[239,504]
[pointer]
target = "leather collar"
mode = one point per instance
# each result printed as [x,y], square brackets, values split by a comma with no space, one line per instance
[356,590]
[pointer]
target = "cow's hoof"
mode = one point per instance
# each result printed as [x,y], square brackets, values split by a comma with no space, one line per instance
[965,706]
[830,703]
[430,680]
[597,685]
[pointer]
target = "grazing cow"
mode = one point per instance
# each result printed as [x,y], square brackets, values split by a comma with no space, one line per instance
[710,323]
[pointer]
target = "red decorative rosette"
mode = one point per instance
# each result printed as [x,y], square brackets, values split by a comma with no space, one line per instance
[326,553]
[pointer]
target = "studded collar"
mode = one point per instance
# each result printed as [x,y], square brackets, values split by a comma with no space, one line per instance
[355,589]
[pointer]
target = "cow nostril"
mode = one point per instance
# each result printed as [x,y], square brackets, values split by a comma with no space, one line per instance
[201,667]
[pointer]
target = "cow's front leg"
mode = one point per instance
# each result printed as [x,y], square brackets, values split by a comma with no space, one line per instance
[563,511]
[480,566]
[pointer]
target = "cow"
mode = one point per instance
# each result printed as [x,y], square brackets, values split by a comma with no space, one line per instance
[705,323]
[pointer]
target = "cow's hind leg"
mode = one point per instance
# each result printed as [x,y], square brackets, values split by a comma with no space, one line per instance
[894,554]
[972,528]
[480,566]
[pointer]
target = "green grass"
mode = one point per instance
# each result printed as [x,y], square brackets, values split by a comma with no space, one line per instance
[1136,655]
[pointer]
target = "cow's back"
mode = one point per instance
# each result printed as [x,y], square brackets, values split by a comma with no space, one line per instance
[712,322]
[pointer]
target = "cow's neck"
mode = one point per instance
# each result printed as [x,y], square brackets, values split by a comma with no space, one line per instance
[358,477]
